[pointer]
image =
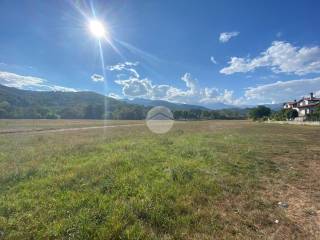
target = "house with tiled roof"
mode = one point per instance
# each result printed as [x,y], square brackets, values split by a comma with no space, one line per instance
[304,107]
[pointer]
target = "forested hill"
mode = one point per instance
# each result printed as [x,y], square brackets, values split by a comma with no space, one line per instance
[16,103]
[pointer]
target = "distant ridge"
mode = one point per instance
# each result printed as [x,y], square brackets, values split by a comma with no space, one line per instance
[181,106]
[170,105]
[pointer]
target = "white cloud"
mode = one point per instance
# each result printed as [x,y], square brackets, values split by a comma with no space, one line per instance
[18,81]
[194,94]
[30,83]
[190,83]
[213,60]
[162,91]
[122,66]
[133,86]
[226,36]
[56,88]
[114,95]
[97,78]
[214,95]
[126,66]
[281,57]
[282,91]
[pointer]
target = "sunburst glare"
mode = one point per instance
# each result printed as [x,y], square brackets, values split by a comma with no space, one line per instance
[97,28]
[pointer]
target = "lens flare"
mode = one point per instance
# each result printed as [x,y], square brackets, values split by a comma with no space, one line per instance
[97,29]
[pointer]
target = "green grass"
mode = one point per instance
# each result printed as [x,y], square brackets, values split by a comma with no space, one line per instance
[202,180]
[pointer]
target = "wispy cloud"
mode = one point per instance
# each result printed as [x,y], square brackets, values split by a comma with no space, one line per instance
[97,78]
[280,57]
[7,65]
[213,60]
[282,91]
[30,83]
[56,88]
[114,95]
[226,36]
[126,66]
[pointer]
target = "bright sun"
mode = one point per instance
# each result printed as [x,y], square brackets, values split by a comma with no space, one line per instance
[97,28]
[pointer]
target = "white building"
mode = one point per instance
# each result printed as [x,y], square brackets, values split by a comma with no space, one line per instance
[304,107]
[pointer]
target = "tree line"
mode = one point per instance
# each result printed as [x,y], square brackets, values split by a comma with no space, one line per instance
[199,114]
[120,111]
[90,111]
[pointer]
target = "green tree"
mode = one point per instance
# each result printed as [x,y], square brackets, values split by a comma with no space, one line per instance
[205,115]
[4,109]
[317,111]
[72,113]
[177,114]
[94,111]
[285,114]
[259,112]
[291,114]
[315,116]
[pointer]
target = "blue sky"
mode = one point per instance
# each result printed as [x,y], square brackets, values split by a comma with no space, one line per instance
[199,52]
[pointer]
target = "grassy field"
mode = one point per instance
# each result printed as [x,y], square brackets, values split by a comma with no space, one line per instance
[202,180]
[21,125]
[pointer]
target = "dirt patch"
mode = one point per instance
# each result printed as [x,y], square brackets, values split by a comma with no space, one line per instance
[301,216]
[302,210]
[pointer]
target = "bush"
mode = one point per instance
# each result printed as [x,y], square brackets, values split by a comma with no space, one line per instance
[284,115]
[315,116]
